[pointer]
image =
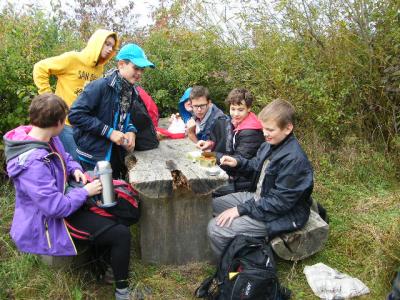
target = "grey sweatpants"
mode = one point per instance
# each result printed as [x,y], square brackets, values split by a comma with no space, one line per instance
[220,237]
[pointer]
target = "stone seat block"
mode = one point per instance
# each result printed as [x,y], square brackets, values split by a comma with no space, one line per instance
[302,243]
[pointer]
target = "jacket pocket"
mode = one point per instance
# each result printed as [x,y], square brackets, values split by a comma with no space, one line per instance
[46,226]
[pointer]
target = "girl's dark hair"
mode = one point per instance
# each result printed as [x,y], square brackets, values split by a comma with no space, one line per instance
[47,110]
[236,96]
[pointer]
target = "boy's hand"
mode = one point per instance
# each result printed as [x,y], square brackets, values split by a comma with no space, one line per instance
[117,137]
[227,216]
[204,145]
[129,142]
[228,161]
[93,188]
[79,176]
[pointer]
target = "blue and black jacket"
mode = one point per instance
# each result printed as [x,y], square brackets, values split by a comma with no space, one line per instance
[94,115]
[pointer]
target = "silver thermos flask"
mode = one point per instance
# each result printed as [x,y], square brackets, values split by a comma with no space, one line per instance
[104,172]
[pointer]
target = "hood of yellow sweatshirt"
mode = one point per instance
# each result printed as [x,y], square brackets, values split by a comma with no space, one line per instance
[95,44]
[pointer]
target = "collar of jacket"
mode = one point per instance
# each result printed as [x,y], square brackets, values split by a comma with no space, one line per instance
[286,140]
[112,80]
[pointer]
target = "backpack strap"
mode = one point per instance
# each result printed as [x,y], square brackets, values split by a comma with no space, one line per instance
[99,232]
[205,289]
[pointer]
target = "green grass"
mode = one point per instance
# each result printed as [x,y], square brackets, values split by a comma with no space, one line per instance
[357,186]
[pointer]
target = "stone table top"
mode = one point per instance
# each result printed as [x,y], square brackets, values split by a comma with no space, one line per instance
[157,173]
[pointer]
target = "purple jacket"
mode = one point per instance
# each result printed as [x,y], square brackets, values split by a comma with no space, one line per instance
[38,175]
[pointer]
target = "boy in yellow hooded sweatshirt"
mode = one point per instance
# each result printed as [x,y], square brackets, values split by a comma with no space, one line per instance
[73,71]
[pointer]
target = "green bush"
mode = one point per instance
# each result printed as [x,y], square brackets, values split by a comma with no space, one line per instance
[183,59]
[27,37]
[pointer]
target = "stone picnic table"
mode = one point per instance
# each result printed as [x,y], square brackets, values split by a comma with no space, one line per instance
[175,195]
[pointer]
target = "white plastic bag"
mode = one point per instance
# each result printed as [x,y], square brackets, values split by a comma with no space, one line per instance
[177,125]
[329,284]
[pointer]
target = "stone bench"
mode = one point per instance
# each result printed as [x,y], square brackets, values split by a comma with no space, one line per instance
[302,243]
[68,261]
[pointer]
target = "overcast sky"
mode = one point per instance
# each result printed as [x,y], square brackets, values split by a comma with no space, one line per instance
[142,8]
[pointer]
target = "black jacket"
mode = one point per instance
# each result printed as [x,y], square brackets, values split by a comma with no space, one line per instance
[146,135]
[243,143]
[286,190]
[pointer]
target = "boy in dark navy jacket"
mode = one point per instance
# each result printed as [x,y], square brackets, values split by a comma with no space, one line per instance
[282,186]
[101,115]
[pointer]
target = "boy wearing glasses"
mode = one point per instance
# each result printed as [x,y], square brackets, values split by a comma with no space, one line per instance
[205,113]
[101,115]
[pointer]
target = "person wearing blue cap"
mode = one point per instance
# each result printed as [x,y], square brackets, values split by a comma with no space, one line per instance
[101,115]
[104,130]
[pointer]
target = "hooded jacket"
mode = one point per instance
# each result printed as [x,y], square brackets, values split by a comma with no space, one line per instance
[186,115]
[73,69]
[39,176]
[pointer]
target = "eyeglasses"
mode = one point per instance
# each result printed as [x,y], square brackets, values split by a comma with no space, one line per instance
[201,106]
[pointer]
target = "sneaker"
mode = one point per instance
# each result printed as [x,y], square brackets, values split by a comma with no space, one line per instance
[122,294]
[391,296]
[139,292]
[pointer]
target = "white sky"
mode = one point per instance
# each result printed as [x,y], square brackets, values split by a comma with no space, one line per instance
[142,8]
[220,12]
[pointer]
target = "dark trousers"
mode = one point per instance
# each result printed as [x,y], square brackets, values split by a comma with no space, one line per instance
[116,240]
[395,294]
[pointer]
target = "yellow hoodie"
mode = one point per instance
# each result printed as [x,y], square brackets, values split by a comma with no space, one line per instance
[73,69]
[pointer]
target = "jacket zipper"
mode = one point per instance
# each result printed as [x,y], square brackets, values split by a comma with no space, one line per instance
[69,235]
[47,233]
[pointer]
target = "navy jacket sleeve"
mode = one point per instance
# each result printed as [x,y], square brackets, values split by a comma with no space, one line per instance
[84,111]
[250,165]
[294,182]
[248,141]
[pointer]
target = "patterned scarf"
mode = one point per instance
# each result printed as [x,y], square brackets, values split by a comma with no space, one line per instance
[125,90]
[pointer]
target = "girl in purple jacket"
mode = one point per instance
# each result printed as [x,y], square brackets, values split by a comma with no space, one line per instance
[46,217]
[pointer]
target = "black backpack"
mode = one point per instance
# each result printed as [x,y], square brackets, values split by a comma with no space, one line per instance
[126,211]
[246,271]
[146,135]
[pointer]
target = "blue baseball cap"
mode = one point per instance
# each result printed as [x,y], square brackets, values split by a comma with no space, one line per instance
[135,55]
